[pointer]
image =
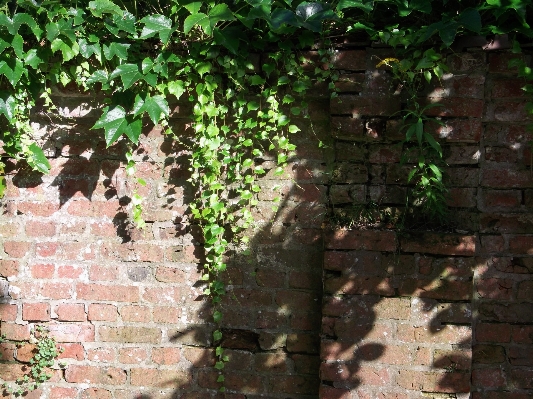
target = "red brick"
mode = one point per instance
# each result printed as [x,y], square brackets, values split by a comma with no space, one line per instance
[94,208]
[166,355]
[166,314]
[63,393]
[499,62]
[56,290]
[510,111]
[95,375]
[327,392]
[101,355]
[99,292]
[16,332]
[488,378]
[303,343]
[36,311]
[295,384]
[43,270]
[199,357]
[40,229]
[492,332]
[296,300]
[38,208]
[162,295]
[71,312]
[103,273]
[96,393]
[433,381]
[72,332]
[494,288]
[525,291]
[72,351]
[522,378]
[130,334]
[170,275]
[361,239]
[523,334]
[159,378]
[73,272]
[136,314]
[462,197]
[441,244]
[348,128]
[132,355]
[458,107]
[16,249]
[352,60]
[521,244]
[46,249]
[8,312]
[9,268]
[358,106]
[503,199]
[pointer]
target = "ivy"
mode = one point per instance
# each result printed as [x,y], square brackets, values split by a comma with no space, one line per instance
[143,55]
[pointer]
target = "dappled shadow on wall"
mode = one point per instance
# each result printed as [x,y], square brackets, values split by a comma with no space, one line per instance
[395,323]
[144,328]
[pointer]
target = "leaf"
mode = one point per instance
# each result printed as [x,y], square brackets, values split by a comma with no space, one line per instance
[366,6]
[193,20]
[470,19]
[3,184]
[293,129]
[8,106]
[124,22]
[433,143]
[113,121]
[156,24]
[176,88]
[229,38]
[447,33]
[69,51]
[256,80]
[217,335]
[37,160]
[419,130]
[133,131]
[100,7]
[156,107]
[194,7]
[99,76]
[88,49]
[281,16]
[217,316]
[119,50]
[17,44]
[12,69]
[129,74]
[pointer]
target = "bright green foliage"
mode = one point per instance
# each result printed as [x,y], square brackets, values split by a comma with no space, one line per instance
[44,357]
[143,55]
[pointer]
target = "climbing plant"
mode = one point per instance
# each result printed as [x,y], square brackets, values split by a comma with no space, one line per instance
[243,65]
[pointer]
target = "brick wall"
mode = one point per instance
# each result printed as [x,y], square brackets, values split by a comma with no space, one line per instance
[402,314]
[413,314]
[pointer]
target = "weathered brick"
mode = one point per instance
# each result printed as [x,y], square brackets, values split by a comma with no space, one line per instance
[95,375]
[102,312]
[159,378]
[36,311]
[71,312]
[130,334]
[443,244]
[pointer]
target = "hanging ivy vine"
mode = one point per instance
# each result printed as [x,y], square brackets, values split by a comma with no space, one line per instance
[141,55]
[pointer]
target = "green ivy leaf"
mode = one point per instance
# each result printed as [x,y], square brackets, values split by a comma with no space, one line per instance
[88,49]
[119,50]
[124,22]
[37,160]
[99,76]
[129,74]
[192,20]
[8,106]
[176,88]
[470,19]
[229,38]
[217,335]
[100,7]
[17,44]
[194,7]
[156,24]
[32,59]
[68,50]
[113,121]
[156,107]
[12,69]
